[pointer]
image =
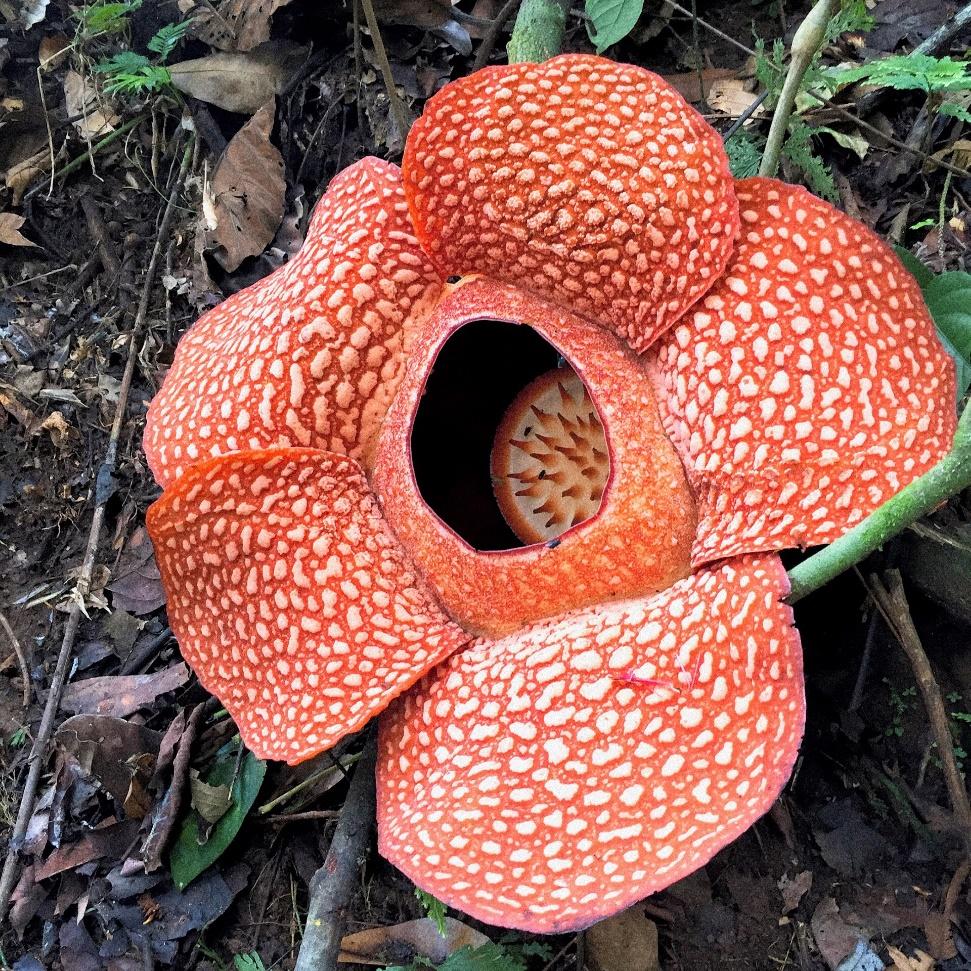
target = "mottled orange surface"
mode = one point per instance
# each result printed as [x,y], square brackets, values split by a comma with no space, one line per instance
[636,716]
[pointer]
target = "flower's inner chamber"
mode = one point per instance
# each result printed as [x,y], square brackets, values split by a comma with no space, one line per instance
[507,445]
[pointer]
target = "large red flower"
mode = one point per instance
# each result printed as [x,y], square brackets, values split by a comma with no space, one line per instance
[742,368]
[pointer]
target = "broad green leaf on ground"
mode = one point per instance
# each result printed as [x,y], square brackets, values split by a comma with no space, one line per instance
[489,957]
[612,20]
[190,857]
[948,297]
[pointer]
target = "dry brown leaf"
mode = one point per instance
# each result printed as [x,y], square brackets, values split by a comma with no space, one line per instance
[122,694]
[625,942]
[233,25]
[731,95]
[919,962]
[241,82]
[53,50]
[25,171]
[246,195]
[82,98]
[10,234]
[401,943]
[794,889]
[108,749]
[689,84]
[59,428]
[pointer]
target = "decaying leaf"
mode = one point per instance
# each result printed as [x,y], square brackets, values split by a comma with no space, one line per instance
[232,25]
[10,234]
[625,942]
[794,889]
[137,587]
[109,749]
[121,695]
[241,82]
[403,943]
[82,98]
[919,962]
[247,192]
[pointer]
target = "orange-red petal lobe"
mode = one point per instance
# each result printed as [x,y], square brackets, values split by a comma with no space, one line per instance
[290,598]
[310,355]
[639,541]
[552,778]
[591,182]
[808,386]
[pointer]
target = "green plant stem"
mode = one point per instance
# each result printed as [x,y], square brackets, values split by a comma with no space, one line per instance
[76,163]
[920,497]
[806,42]
[538,33]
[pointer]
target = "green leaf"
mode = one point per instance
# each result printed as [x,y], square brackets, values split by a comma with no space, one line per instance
[948,298]
[612,20]
[908,72]
[250,961]
[921,273]
[124,62]
[954,110]
[434,908]
[167,38]
[744,154]
[190,855]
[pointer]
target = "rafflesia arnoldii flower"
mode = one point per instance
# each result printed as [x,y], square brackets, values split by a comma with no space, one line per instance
[742,368]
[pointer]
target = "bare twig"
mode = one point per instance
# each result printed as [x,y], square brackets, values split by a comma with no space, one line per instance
[106,251]
[333,884]
[310,814]
[891,600]
[491,35]
[103,492]
[398,109]
[21,658]
[945,32]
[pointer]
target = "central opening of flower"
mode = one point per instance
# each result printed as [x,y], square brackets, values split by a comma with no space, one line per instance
[507,446]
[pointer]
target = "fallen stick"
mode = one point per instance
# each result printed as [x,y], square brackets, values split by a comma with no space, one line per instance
[333,884]
[103,492]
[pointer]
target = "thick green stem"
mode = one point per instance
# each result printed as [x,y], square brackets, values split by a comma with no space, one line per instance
[923,495]
[806,42]
[538,34]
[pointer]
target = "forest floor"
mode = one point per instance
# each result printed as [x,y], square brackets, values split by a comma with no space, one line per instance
[856,866]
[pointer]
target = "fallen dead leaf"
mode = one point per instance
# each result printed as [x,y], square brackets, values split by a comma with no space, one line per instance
[59,428]
[108,749]
[232,25]
[112,838]
[402,943]
[81,98]
[10,234]
[834,936]
[241,82]
[732,96]
[919,962]
[940,940]
[121,695]
[794,889]
[137,587]
[22,174]
[246,196]
[689,84]
[52,51]
[625,942]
